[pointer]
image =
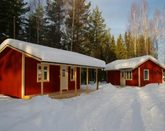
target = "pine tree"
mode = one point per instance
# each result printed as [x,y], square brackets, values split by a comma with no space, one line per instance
[112,52]
[35,30]
[148,50]
[76,24]
[121,52]
[99,36]
[11,18]
[55,23]
[105,47]
[128,39]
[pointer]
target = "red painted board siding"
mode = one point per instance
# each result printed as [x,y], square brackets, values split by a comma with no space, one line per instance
[32,87]
[134,81]
[10,72]
[113,77]
[54,80]
[71,83]
[78,78]
[155,73]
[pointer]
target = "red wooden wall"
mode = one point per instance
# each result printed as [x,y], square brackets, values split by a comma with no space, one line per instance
[155,73]
[113,77]
[134,81]
[71,84]
[33,87]
[11,75]
[54,80]
[10,72]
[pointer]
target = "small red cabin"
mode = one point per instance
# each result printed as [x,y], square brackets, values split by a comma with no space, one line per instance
[138,71]
[31,69]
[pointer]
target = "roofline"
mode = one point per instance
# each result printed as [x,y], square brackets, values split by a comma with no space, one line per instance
[48,62]
[16,49]
[152,61]
[157,63]
[58,63]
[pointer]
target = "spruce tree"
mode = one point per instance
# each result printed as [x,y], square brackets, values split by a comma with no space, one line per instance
[11,18]
[55,23]
[128,39]
[35,30]
[112,53]
[76,24]
[121,52]
[99,36]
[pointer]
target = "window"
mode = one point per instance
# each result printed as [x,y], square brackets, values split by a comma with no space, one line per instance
[146,74]
[63,72]
[42,72]
[72,73]
[127,75]
[46,72]
[39,73]
[164,75]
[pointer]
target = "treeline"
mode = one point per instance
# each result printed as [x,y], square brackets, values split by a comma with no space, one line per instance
[65,24]
[74,25]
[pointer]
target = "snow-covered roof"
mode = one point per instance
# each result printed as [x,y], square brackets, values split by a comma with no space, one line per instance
[131,63]
[53,55]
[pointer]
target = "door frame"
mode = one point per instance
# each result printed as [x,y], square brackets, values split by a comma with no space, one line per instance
[122,78]
[65,67]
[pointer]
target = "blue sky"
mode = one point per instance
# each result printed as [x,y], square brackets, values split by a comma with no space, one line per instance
[116,12]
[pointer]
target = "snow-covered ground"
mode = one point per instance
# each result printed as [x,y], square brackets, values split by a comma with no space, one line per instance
[108,109]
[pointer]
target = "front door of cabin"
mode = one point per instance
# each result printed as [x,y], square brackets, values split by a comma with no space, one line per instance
[122,78]
[64,77]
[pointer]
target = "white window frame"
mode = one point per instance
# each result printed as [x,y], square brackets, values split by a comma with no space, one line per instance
[146,70]
[39,78]
[127,75]
[42,73]
[72,76]
[163,75]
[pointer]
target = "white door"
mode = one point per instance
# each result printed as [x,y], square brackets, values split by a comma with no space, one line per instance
[122,78]
[64,77]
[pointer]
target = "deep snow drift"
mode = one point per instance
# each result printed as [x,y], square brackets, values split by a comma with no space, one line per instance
[108,109]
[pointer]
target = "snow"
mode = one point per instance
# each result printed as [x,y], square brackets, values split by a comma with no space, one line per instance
[47,54]
[131,63]
[108,109]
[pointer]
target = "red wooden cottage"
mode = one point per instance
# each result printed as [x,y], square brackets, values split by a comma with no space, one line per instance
[137,71]
[31,69]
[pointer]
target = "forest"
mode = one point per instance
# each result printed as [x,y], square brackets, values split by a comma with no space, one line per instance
[75,25]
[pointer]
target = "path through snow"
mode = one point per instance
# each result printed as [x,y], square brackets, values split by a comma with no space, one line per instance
[108,109]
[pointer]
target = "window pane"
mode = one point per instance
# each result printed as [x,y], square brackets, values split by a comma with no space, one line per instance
[45,68]
[71,73]
[39,73]
[122,74]
[39,67]
[45,75]
[63,72]
[146,75]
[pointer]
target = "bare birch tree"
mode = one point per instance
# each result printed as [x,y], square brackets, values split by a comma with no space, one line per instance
[134,25]
[141,25]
